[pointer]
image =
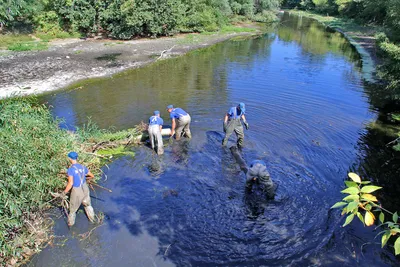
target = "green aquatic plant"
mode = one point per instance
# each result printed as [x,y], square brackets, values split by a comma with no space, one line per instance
[361,203]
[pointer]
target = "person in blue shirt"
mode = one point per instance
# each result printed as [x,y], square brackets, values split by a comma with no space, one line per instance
[233,123]
[180,122]
[77,174]
[155,127]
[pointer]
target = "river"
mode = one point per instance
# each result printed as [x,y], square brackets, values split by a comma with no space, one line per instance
[308,112]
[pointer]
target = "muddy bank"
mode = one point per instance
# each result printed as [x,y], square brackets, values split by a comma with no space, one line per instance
[72,60]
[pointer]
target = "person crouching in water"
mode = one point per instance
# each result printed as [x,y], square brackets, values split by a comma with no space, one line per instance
[256,173]
[180,122]
[155,127]
[77,174]
[232,123]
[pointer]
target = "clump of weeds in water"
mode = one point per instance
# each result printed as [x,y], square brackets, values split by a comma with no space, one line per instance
[33,163]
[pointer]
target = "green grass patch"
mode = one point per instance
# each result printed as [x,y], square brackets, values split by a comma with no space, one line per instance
[116,152]
[28,46]
[48,36]
[236,29]
[193,38]
[10,39]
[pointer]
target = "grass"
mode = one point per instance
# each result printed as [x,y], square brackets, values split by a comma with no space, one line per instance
[56,35]
[236,29]
[193,38]
[115,152]
[10,39]
[28,46]
[24,42]
[33,163]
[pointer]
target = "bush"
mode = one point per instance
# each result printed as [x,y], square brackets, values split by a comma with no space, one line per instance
[265,16]
[32,154]
[389,70]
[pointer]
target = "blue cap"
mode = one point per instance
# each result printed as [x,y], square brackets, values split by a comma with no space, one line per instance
[156,112]
[73,155]
[170,106]
[242,107]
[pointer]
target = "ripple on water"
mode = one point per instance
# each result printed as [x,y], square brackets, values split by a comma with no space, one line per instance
[306,109]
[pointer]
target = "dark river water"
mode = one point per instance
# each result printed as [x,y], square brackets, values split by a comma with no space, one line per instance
[308,114]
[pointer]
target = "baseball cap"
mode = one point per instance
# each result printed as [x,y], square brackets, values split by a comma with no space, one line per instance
[170,106]
[73,155]
[156,112]
[242,107]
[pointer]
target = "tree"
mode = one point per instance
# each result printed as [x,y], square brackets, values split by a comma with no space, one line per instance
[11,10]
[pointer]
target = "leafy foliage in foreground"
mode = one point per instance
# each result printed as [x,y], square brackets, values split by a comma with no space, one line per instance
[361,203]
[32,154]
[33,160]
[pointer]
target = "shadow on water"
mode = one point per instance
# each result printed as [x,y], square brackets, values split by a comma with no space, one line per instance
[307,111]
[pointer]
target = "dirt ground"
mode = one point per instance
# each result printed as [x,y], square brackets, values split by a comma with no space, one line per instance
[71,60]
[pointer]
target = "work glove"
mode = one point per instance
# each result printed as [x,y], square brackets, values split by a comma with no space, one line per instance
[63,195]
[246,125]
[225,126]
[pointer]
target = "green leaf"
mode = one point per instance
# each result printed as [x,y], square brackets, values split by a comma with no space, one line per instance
[353,176]
[382,217]
[370,188]
[350,198]
[348,219]
[394,231]
[397,246]
[352,206]
[395,217]
[368,197]
[368,207]
[350,184]
[359,215]
[385,238]
[365,182]
[351,191]
[338,205]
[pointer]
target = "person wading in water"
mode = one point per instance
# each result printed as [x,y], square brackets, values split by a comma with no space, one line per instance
[233,123]
[180,122]
[77,174]
[155,127]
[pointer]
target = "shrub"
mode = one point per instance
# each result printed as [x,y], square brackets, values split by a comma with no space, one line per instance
[32,153]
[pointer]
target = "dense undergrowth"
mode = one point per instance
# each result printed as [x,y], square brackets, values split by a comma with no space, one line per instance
[33,163]
[125,19]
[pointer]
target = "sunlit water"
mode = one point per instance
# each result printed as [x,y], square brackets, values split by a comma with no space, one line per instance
[307,111]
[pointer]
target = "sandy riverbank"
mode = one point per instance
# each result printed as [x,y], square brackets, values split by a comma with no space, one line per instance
[71,60]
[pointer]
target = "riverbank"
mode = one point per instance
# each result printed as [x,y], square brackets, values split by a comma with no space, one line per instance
[36,167]
[361,37]
[70,60]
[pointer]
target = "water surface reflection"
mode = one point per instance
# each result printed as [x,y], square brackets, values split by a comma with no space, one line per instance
[306,109]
